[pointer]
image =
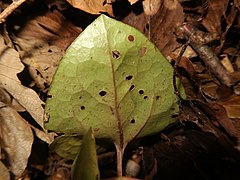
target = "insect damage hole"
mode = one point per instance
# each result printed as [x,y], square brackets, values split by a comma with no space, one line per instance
[132,121]
[131,38]
[141,91]
[115,54]
[145,97]
[129,77]
[157,97]
[82,107]
[102,93]
[131,88]
[49,96]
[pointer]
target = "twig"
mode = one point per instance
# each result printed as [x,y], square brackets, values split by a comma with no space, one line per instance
[210,59]
[15,4]
[175,73]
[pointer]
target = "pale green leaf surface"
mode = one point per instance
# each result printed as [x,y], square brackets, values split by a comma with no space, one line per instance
[67,146]
[85,166]
[113,58]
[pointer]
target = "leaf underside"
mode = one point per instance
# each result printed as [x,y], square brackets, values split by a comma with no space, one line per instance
[113,79]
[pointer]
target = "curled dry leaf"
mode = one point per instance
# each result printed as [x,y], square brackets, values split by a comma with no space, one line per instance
[10,66]
[16,139]
[93,7]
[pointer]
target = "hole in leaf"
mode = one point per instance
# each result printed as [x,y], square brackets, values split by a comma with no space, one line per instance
[129,77]
[132,87]
[80,97]
[49,50]
[147,26]
[102,93]
[145,97]
[132,121]
[115,54]
[141,91]
[82,107]
[157,97]
[49,96]
[142,51]
[174,116]
[131,38]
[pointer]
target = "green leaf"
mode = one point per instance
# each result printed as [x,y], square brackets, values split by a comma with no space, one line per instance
[67,146]
[113,79]
[85,166]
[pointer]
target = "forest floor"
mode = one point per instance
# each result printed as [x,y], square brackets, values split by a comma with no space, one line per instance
[203,144]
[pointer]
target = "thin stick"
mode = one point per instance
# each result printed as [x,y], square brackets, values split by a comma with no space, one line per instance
[15,4]
[175,73]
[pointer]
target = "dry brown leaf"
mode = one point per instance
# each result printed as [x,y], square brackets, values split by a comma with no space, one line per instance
[232,106]
[16,139]
[133,1]
[151,7]
[4,174]
[93,7]
[160,27]
[10,66]
[52,28]
[216,11]
[41,61]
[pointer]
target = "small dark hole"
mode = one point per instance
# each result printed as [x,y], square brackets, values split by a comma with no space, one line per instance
[82,107]
[80,97]
[174,116]
[132,87]
[132,121]
[49,96]
[115,54]
[131,38]
[147,26]
[129,77]
[141,91]
[145,97]
[102,93]
[157,97]
[49,50]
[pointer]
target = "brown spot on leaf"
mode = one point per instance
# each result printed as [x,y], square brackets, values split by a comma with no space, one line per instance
[131,38]
[142,51]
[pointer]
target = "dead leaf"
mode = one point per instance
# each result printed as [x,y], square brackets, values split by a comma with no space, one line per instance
[216,11]
[232,106]
[4,174]
[160,27]
[44,136]
[10,66]
[52,28]
[133,1]
[93,7]
[42,61]
[16,139]
[151,7]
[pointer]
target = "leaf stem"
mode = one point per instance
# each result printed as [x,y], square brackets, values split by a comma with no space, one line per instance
[120,151]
